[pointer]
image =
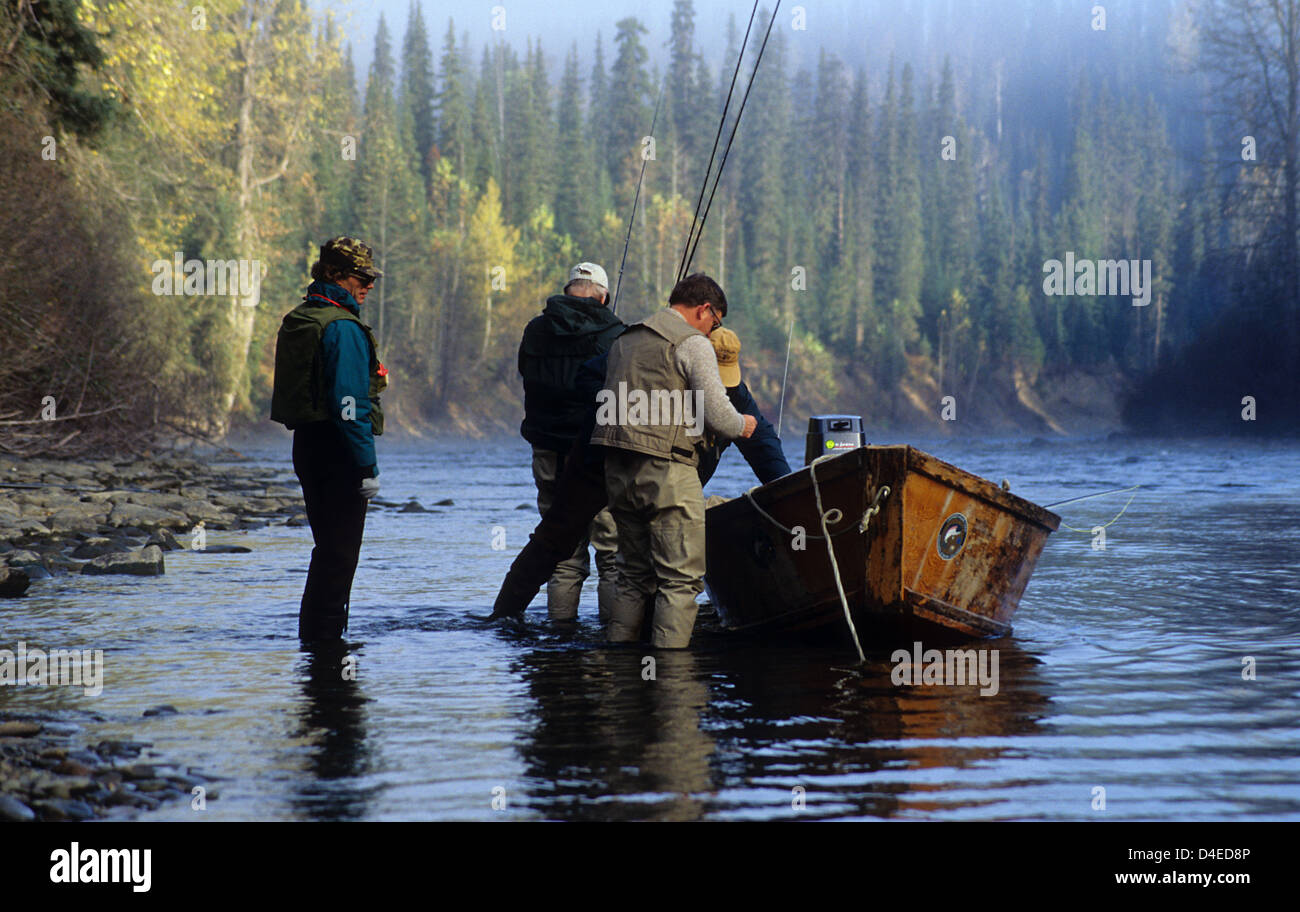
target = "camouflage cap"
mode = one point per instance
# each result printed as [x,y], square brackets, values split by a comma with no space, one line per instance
[351,254]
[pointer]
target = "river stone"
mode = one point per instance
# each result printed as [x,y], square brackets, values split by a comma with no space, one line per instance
[165,540]
[74,521]
[98,547]
[129,514]
[73,785]
[446,502]
[73,768]
[120,748]
[233,501]
[159,501]
[298,519]
[14,811]
[23,526]
[67,564]
[19,729]
[24,559]
[110,778]
[148,561]
[166,709]
[13,582]
[413,506]
[202,510]
[138,771]
[65,809]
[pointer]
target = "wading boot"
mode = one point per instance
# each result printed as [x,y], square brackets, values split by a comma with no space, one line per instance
[312,628]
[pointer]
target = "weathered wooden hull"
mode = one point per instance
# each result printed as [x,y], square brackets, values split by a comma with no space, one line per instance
[947,553]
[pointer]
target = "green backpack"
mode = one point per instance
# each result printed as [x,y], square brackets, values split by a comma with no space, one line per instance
[298,394]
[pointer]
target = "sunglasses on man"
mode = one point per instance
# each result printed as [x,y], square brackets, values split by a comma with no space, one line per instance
[717,318]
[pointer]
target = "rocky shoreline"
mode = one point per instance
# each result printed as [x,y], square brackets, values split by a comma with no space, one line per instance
[121,516]
[44,775]
[102,517]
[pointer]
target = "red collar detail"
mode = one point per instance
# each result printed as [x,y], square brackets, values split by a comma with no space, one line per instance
[323,298]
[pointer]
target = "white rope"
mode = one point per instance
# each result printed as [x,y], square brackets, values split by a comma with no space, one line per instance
[826,517]
[830,547]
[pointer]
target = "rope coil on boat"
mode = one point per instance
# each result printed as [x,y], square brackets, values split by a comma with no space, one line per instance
[826,518]
[822,515]
[830,520]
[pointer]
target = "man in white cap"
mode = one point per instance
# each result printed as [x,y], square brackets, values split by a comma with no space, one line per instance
[575,326]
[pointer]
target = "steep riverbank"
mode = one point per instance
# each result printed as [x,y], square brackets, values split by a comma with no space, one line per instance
[1003,400]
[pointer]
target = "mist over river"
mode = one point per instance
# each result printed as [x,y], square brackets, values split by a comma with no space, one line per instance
[1125,670]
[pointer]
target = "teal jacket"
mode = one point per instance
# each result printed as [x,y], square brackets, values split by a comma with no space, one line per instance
[345,367]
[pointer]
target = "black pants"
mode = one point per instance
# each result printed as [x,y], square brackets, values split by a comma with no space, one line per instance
[337,513]
[579,496]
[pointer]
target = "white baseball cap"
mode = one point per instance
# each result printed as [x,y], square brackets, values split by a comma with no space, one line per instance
[591,272]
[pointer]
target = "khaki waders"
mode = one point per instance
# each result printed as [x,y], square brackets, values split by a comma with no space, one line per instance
[658,508]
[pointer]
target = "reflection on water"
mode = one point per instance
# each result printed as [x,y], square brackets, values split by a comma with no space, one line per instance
[1125,670]
[333,717]
[617,737]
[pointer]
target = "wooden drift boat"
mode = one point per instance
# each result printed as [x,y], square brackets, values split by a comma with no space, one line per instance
[946,554]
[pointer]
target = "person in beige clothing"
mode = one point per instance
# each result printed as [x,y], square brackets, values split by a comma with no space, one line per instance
[662,391]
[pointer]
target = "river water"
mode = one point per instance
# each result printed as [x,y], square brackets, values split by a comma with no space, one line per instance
[1124,673]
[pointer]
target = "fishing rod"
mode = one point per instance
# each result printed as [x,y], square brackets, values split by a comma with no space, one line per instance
[780,414]
[722,122]
[734,127]
[613,307]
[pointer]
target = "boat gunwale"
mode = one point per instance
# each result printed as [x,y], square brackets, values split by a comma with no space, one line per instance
[922,463]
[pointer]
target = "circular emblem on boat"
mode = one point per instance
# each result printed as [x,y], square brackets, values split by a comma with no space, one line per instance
[952,535]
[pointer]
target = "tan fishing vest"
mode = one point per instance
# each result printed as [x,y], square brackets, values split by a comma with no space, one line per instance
[642,365]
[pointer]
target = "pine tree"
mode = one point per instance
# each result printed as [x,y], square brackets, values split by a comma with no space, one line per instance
[628,111]
[387,199]
[454,120]
[862,321]
[575,207]
[763,202]
[948,153]
[416,97]
[682,122]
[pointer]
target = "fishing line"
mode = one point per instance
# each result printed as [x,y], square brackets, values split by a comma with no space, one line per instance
[1090,496]
[1117,515]
[681,266]
[780,414]
[734,127]
[632,219]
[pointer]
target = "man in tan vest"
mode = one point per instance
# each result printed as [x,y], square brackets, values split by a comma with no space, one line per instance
[662,391]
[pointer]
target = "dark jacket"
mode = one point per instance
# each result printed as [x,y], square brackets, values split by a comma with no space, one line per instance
[762,449]
[568,332]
